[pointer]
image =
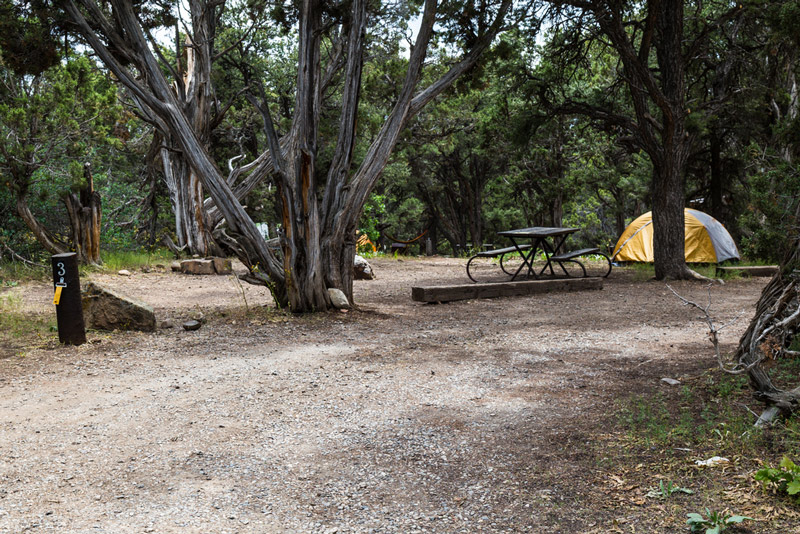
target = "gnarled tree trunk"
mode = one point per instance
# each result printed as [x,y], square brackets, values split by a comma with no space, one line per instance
[318,242]
[771,331]
[85,211]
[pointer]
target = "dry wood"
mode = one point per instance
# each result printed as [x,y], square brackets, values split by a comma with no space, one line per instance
[503,289]
[750,270]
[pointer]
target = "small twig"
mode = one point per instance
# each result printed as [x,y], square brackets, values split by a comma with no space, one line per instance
[241,290]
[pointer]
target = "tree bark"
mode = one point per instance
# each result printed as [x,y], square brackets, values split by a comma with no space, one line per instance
[763,342]
[318,241]
[85,211]
[657,87]
[186,197]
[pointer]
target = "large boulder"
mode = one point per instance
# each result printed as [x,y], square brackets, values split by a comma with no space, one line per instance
[362,270]
[105,309]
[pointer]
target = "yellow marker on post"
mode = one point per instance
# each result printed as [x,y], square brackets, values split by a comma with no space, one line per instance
[67,299]
[57,296]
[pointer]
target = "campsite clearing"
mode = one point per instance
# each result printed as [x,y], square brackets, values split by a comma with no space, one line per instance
[472,416]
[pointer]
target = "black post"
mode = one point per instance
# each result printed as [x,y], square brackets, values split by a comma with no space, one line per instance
[69,308]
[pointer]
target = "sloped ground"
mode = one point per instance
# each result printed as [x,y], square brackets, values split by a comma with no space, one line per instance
[474,416]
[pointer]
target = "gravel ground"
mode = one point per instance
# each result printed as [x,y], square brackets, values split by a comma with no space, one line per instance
[399,417]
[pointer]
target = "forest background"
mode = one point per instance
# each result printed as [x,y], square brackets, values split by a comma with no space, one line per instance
[519,140]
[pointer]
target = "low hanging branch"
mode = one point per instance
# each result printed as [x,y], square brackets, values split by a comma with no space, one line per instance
[15,256]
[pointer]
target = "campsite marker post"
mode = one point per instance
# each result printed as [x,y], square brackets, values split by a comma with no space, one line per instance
[67,299]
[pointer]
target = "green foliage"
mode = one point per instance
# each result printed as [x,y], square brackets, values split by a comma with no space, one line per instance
[51,125]
[18,326]
[667,489]
[774,187]
[374,213]
[786,478]
[714,522]
[28,38]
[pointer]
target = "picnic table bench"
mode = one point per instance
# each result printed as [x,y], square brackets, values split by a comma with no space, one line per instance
[553,256]
[496,253]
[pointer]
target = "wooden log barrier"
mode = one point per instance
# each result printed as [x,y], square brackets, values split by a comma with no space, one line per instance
[67,299]
[502,289]
[749,270]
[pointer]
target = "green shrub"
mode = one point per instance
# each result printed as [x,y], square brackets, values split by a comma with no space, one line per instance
[786,478]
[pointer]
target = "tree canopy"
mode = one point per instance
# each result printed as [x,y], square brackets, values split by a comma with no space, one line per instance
[319,120]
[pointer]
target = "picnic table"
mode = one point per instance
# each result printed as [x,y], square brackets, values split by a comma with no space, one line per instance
[528,243]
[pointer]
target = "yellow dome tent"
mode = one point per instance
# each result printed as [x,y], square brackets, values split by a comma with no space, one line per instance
[707,241]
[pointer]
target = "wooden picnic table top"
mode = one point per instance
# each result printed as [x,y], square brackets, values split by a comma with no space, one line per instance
[538,231]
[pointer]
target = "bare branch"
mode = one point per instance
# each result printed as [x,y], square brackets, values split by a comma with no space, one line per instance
[713,336]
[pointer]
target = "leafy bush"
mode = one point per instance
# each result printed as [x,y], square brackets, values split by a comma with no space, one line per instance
[786,478]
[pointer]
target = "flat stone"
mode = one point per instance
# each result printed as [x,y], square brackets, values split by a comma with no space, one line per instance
[222,265]
[192,325]
[105,309]
[671,381]
[124,272]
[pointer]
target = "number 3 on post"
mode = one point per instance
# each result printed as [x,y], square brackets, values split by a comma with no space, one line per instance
[60,285]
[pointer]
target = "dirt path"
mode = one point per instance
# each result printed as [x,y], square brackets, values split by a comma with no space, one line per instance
[473,416]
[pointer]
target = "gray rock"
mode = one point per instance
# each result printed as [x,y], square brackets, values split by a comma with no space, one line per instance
[671,381]
[362,270]
[338,299]
[192,325]
[105,309]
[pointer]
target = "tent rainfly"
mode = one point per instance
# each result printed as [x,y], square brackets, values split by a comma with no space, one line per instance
[707,241]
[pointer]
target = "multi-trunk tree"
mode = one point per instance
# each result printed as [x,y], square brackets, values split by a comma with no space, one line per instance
[320,206]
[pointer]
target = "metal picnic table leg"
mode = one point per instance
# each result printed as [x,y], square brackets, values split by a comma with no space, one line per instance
[552,251]
[527,261]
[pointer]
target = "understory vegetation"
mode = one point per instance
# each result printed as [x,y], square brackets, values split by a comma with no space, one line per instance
[694,448]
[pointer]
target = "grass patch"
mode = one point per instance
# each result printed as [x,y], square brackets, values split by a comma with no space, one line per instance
[661,434]
[786,371]
[642,271]
[713,413]
[13,273]
[19,329]
[117,260]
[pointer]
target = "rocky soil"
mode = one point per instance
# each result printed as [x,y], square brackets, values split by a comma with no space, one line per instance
[473,416]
